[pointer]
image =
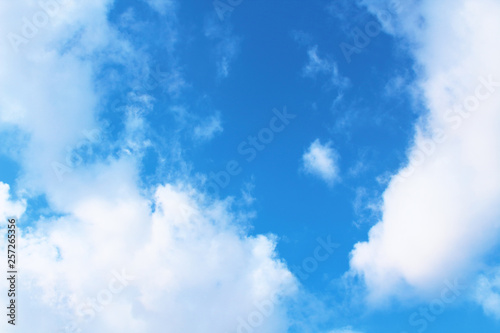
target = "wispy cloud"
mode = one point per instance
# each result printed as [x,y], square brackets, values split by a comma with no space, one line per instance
[226,45]
[345,330]
[162,6]
[209,128]
[317,65]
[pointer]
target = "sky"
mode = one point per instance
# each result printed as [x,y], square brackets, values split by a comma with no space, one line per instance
[242,166]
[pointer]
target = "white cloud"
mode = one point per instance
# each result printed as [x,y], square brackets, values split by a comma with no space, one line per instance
[317,65]
[188,258]
[161,6]
[199,128]
[345,330]
[226,45]
[187,254]
[487,293]
[50,79]
[321,160]
[9,208]
[441,213]
[209,128]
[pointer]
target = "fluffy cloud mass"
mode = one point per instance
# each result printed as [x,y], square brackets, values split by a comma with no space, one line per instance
[441,212]
[8,207]
[114,255]
[321,160]
[487,293]
[124,262]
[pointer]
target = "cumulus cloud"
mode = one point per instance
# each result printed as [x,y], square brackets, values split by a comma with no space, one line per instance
[441,212]
[320,160]
[114,255]
[50,79]
[9,208]
[182,256]
[487,293]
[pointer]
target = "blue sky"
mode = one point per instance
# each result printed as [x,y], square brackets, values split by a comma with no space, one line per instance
[247,166]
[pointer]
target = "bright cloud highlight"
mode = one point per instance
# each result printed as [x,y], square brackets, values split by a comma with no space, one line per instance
[320,160]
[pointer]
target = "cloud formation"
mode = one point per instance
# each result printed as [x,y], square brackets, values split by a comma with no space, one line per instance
[226,45]
[209,128]
[345,330]
[487,293]
[441,212]
[180,255]
[317,65]
[320,160]
[8,207]
[114,255]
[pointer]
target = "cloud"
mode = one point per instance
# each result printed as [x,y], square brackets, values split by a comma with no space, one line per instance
[186,254]
[321,161]
[317,66]
[345,330]
[161,6]
[226,45]
[8,207]
[487,293]
[301,37]
[50,78]
[199,128]
[440,213]
[113,254]
[209,128]
[347,12]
